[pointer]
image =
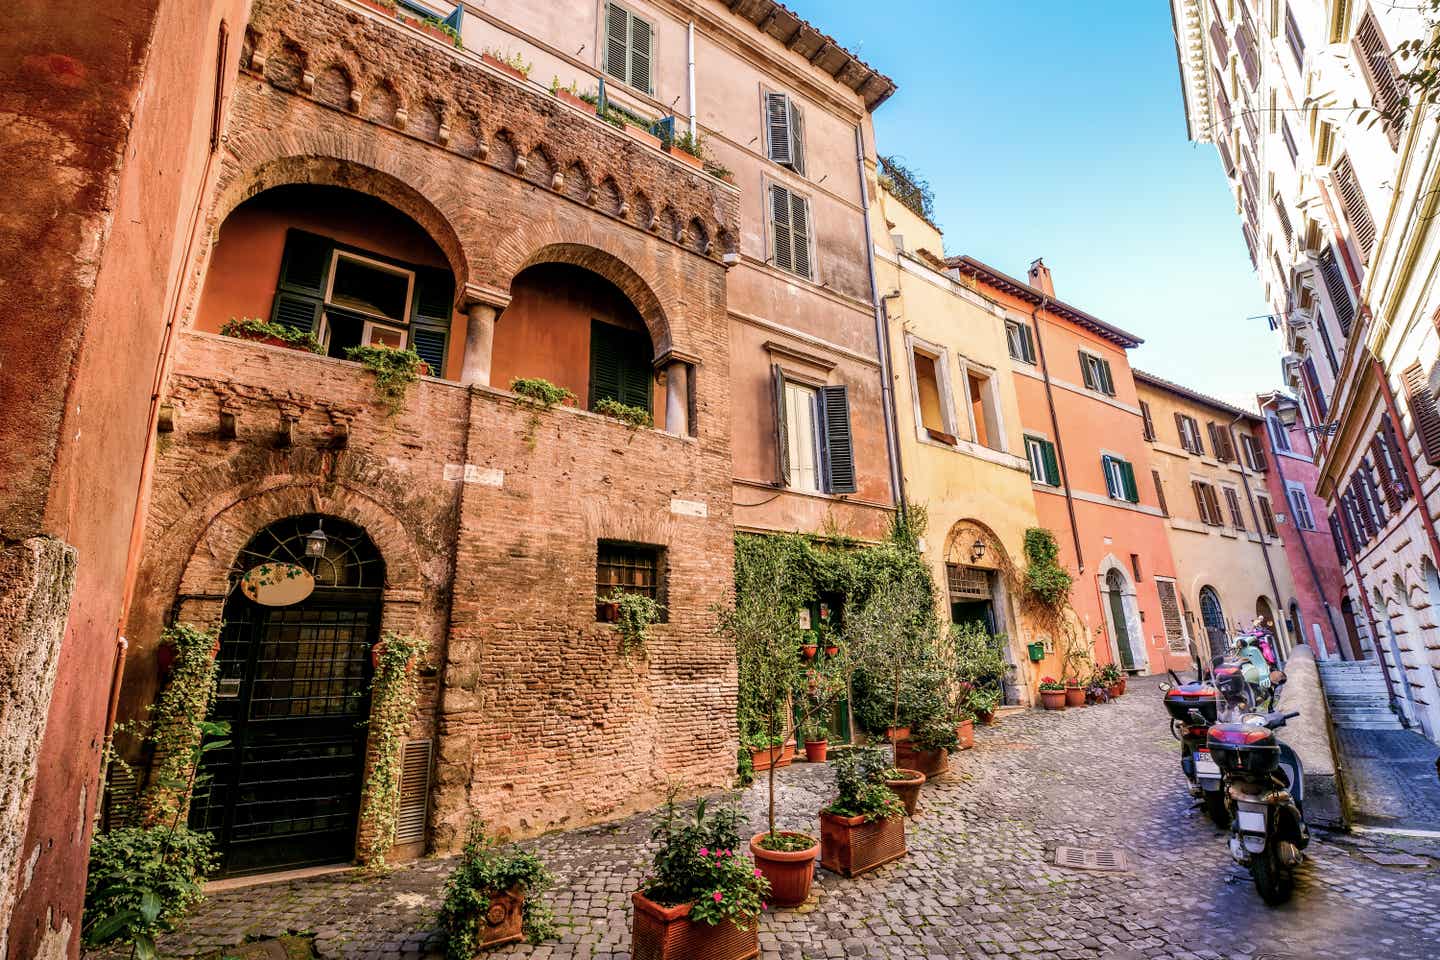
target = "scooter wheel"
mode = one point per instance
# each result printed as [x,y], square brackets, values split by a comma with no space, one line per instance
[1274,881]
[1215,808]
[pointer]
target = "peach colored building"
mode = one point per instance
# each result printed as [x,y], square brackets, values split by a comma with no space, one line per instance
[1089,468]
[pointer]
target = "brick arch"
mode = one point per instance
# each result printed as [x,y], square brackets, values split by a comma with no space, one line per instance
[655,300]
[965,532]
[259,162]
[225,534]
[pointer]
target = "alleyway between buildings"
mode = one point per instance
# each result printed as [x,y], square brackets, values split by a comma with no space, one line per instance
[979,881]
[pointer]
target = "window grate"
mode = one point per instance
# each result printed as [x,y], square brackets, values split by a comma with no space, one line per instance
[967,583]
[629,568]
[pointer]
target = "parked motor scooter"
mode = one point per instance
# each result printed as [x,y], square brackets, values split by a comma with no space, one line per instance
[1193,708]
[1265,783]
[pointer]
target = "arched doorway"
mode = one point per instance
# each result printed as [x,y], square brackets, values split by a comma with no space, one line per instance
[294,687]
[1265,613]
[1296,626]
[1213,616]
[975,561]
[1117,589]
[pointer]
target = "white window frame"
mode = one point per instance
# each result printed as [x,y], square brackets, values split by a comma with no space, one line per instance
[940,356]
[792,435]
[1101,363]
[1299,503]
[989,401]
[1024,328]
[372,319]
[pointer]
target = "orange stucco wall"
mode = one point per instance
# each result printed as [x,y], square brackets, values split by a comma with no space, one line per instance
[1109,532]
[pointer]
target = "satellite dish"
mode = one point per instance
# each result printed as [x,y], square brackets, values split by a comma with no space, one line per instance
[277,584]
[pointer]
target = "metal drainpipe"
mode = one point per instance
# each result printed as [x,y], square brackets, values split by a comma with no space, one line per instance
[690,72]
[1309,560]
[882,337]
[1259,530]
[1059,442]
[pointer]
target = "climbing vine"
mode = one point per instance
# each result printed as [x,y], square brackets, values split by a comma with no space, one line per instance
[176,723]
[394,371]
[393,691]
[638,613]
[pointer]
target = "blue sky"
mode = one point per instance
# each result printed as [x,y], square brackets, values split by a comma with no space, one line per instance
[1057,130]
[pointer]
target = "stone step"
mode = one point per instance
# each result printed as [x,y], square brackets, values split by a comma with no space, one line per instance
[1370,724]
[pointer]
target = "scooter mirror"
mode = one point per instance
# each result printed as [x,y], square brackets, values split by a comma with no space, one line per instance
[1166,687]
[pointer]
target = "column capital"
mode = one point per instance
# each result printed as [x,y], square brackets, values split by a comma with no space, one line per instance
[675,356]
[479,295]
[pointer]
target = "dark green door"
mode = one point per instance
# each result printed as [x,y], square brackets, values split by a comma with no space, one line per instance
[1116,585]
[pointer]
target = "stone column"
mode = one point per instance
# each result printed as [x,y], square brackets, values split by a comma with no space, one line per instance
[677,398]
[479,342]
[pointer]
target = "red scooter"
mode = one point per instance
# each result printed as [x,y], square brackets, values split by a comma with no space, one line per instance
[1193,707]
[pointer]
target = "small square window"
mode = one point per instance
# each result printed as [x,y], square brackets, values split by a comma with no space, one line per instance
[629,568]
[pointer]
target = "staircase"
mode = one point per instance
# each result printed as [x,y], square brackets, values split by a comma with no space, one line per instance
[1355,691]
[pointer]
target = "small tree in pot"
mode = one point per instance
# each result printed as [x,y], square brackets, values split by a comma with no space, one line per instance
[864,826]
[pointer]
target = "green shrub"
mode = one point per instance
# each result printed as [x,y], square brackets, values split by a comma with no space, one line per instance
[394,371]
[635,416]
[1046,581]
[141,880]
[485,869]
[540,391]
[253,328]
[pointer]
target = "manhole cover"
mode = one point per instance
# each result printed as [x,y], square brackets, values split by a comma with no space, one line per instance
[1082,859]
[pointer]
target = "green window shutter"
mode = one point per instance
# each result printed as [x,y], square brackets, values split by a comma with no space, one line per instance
[800,234]
[620,366]
[304,271]
[1107,383]
[640,55]
[1027,341]
[781,234]
[1127,476]
[617,42]
[430,321]
[1086,372]
[839,449]
[797,138]
[1109,475]
[782,431]
[1052,466]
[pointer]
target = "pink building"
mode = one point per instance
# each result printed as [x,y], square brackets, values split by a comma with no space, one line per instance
[1315,554]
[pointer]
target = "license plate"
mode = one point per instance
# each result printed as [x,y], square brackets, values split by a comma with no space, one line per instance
[1251,821]
[1205,767]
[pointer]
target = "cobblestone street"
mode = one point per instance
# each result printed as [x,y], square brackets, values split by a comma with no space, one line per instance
[979,880]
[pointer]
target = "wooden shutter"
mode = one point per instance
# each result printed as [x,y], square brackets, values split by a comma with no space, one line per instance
[1051,465]
[1397,465]
[1389,485]
[797,138]
[414,801]
[1352,201]
[1029,342]
[1201,506]
[300,291]
[1127,480]
[1212,501]
[1339,540]
[782,429]
[777,126]
[1147,424]
[620,366]
[839,449]
[1293,37]
[1373,55]
[1232,500]
[1339,293]
[1362,501]
[1423,411]
[1321,407]
[1267,517]
[1170,615]
[1160,492]
[640,54]
[1216,442]
[1085,372]
[617,42]
[1105,461]
[1180,432]
[431,318]
[1367,475]
[783,239]
[1108,382]
[800,234]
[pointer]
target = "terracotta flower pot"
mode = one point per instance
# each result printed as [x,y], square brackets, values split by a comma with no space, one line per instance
[382,5]
[832,651]
[850,846]
[790,872]
[780,756]
[667,933]
[574,100]
[932,763]
[684,156]
[1074,696]
[965,733]
[501,923]
[896,734]
[644,136]
[1115,689]
[986,717]
[607,612]
[808,650]
[501,65]
[1053,699]
[908,790]
[815,750]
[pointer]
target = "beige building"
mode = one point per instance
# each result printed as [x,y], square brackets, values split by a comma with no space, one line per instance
[1207,466]
[961,444]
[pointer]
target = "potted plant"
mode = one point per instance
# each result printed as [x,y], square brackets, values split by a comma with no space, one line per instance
[1096,691]
[809,645]
[864,826]
[983,703]
[513,64]
[1052,693]
[687,149]
[817,740]
[905,783]
[384,6]
[570,95]
[1074,692]
[769,752]
[607,611]
[493,898]
[703,897]
[964,729]
[719,171]
[928,748]
[1113,680]
[825,636]
[271,334]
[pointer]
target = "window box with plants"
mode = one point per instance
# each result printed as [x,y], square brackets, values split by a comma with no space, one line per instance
[570,95]
[633,615]
[703,898]
[270,334]
[864,826]
[687,149]
[1052,693]
[493,898]
[513,64]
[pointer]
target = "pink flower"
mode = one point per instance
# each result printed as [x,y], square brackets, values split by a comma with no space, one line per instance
[757,871]
[718,896]
[764,905]
[704,851]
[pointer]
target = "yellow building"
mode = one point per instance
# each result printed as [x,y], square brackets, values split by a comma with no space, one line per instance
[1208,461]
[961,447]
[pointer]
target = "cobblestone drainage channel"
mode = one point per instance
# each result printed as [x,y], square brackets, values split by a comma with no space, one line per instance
[292,947]
[1082,859]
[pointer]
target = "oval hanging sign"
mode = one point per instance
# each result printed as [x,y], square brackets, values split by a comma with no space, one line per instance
[277,584]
